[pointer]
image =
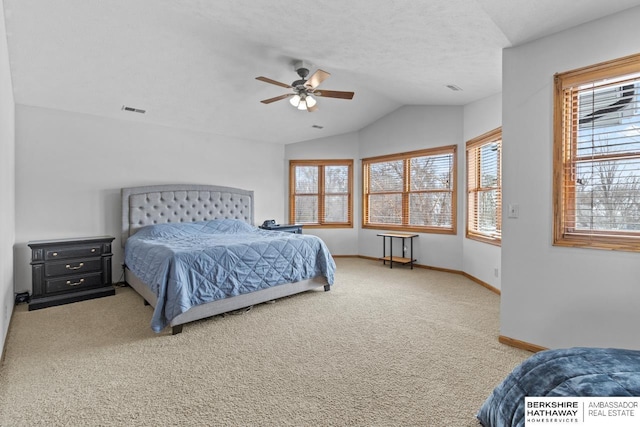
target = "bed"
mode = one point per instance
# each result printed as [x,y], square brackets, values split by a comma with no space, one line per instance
[571,372]
[192,252]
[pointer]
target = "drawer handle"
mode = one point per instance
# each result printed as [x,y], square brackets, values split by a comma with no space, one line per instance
[75,283]
[55,254]
[68,266]
[93,250]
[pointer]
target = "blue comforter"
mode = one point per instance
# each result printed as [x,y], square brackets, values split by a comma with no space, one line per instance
[571,372]
[188,264]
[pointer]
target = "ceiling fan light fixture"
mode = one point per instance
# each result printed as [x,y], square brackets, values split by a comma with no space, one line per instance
[302,105]
[295,100]
[311,101]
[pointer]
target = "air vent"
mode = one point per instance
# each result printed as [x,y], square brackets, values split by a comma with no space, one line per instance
[454,88]
[317,126]
[133,110]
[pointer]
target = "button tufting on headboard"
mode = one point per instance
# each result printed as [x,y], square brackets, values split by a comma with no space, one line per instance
[142,206]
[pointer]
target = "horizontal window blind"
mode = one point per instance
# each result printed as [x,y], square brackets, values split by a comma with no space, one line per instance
[484,187]
[598,161]
[336,206]
[413,191]
[604,166]
[321,192]
[307,179]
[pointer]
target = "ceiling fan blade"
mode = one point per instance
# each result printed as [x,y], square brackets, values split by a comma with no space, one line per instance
[316,78]
[273,82]
[277,98]
[334,94]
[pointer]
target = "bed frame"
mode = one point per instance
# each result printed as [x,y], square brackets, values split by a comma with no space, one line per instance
[159,204]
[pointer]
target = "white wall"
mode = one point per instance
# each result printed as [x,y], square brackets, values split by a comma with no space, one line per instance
[7,185]
[340,241]
[480,259]
[70,168]
[412,128]
[408,129]
[554,296]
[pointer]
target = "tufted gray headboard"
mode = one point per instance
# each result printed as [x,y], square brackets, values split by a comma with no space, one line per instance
[159,204]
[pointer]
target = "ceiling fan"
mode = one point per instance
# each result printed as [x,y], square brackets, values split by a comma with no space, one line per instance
[305,89]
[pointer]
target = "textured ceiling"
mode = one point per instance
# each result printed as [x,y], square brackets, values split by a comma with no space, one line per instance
[192,64]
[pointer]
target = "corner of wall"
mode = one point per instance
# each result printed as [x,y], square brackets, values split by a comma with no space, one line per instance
[7,185]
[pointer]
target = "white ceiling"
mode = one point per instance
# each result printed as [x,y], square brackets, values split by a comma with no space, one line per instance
[192,64]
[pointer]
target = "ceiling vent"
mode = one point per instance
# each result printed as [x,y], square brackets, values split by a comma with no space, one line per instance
[133,110]
[317,126]
[454,88]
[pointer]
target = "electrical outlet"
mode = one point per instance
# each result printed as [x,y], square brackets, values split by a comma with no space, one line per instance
[514,210]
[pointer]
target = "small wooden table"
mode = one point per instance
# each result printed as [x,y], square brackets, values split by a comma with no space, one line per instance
[400,260]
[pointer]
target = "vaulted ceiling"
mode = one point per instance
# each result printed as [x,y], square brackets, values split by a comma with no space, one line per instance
[192,64]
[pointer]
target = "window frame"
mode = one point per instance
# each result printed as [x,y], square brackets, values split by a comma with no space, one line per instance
[563,140]
[471,231]
[321,164]
[406,158]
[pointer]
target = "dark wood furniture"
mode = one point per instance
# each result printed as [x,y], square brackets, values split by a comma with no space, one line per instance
[70,270]
[390,257]
[289,228]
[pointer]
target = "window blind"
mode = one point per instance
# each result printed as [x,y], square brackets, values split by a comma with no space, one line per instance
[306,196]
[412,191]
[320,192]
[336,194]
[598,157]
[484,187]
[604,158]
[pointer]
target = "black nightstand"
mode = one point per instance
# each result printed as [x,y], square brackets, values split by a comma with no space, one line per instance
[289,228]
[70,270]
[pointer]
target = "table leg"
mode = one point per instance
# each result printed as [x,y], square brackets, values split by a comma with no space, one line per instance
[411,253]
[384,250]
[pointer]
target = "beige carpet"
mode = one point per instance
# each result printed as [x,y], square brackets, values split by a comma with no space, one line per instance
[385,347]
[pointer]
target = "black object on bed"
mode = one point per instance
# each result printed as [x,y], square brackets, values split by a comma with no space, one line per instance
[572,372]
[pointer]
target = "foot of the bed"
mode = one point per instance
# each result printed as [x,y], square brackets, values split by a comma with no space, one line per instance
[175,330]
[326,288]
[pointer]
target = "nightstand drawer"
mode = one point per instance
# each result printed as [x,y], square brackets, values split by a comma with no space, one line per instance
[72,252]
[72,267]
[73,283]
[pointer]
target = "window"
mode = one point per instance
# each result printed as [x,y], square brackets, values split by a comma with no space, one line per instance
[413,191]
[320,193]
[597,156]
[484,187]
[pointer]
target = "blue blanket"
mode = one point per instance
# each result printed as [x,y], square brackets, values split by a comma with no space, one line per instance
[571,372]
[188,264]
